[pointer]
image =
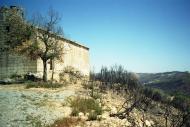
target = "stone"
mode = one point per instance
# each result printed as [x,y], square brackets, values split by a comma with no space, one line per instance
[105,116]
[99,117]
[67,111]
[104,107]
[82,116]
[113,110]
[6,81]
[87,114]
[148,123]
[127,123]
[100,104]
[98,100]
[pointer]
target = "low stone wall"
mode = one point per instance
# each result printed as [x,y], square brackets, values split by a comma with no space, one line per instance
[15,64]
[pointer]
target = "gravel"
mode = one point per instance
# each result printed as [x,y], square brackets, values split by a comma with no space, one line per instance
[20,107]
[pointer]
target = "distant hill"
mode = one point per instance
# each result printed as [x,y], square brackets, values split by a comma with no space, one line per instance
[168,81]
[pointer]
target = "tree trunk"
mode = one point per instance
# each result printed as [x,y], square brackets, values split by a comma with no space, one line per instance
[45,71]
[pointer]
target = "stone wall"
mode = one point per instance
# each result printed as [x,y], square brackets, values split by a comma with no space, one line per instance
[15,64]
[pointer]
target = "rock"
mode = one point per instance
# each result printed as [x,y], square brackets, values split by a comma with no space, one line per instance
[87,114]
[104,107]
[99,117]
[82,116]
[105,116]
[98,100]
[6,81]
[151,122]
[113,110]
[67,111]
[148,123]
[127,123]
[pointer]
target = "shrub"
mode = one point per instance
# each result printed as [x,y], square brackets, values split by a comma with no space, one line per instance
[118,75]
[73,73]
[16,76]
[93,116]
[85,106]
[43,85]
[157,95]
[96,95]
[181,102]
[148,92]
[75,112]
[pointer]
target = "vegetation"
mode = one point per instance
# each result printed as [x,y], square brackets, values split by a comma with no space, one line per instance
[16,76]
[168,81]
[44,85]
[70,74]
[94,89]
[141,97]
[18,31]
[117,75]
[86,106]
[66,122]
[155,94]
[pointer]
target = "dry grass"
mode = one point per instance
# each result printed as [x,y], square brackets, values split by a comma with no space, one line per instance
[44,85]
[67,122]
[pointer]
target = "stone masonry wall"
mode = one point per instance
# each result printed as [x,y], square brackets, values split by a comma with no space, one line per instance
[15,64]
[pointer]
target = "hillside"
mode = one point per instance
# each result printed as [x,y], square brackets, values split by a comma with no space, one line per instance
[168,81]
[42,107]
[77,102]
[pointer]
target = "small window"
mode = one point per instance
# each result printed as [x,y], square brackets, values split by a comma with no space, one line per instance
[1,16]
[8,29]
[51,64]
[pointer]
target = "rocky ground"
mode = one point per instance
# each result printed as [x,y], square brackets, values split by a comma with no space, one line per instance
[20,107]
[40,107]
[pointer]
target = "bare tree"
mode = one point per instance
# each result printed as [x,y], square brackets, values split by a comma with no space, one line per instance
[46,37]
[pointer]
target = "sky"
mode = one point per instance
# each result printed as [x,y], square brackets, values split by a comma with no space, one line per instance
[142,35]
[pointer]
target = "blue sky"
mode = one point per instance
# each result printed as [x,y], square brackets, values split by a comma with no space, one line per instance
[142,35]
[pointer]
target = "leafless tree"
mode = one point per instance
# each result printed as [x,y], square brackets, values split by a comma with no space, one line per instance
[47,34]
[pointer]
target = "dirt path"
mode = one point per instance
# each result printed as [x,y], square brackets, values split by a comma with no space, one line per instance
[20,107]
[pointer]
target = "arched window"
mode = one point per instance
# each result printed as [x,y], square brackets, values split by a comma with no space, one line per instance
[51,64]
